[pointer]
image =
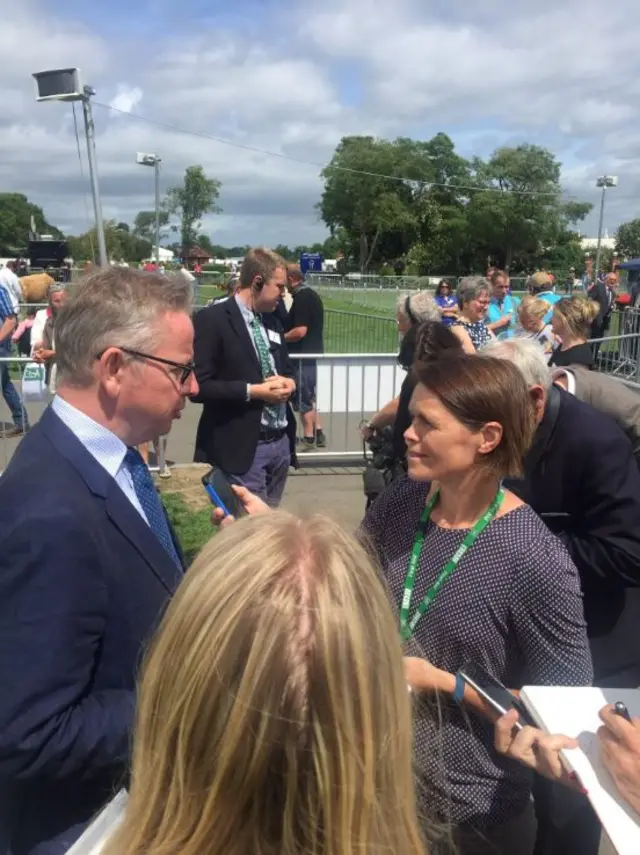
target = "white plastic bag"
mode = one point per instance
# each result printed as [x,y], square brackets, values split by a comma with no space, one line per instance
[34,386]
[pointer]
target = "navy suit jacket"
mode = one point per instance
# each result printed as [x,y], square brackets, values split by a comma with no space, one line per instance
[83,584]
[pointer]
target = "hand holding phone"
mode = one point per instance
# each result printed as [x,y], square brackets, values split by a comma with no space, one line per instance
[494,693]
[218,488]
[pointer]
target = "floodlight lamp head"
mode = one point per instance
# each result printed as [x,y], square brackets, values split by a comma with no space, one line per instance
[145,159]
[60,84]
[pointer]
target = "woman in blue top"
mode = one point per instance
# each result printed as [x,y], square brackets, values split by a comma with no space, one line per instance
[447,302]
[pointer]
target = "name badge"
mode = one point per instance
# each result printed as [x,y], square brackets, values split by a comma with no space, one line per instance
[274,337]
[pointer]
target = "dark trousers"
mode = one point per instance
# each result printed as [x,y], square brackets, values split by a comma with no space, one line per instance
[267,476]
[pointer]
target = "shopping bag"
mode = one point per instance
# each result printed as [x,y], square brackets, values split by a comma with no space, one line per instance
[34,384]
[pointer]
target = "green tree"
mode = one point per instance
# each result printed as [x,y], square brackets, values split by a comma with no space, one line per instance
[378,215]
[144,225]
[519,214]
[197,196]
[628,239]
[123,227]
[204,242]
[285,252]
[121,245]
[15,223]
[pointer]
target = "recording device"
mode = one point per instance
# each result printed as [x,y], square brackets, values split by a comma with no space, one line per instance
[620,709]
[218,487]
[494,693]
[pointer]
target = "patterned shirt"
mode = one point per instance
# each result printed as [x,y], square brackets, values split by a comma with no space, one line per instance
[513,606]
[6,311]
[479,332]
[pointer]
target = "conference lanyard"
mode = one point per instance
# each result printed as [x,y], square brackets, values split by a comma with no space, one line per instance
[407,625]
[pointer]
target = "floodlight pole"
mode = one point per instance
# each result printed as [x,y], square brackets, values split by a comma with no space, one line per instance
[156,169]
[89,128]
[604,182]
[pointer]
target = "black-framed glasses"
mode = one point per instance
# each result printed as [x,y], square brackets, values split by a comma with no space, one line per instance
[186,369]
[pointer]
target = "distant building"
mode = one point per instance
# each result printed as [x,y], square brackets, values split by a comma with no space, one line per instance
[592,243]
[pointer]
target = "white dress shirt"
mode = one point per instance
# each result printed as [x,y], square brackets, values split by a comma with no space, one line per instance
[103,445]
[11,282]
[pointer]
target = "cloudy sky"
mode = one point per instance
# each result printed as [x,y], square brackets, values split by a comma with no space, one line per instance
[293,77]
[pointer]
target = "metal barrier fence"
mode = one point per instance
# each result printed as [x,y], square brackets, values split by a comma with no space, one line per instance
[350,388]
[356,332]
[360,284]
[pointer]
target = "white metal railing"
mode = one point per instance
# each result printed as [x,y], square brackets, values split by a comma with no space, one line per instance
[350,388]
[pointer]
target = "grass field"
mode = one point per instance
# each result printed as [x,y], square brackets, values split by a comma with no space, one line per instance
[362,320]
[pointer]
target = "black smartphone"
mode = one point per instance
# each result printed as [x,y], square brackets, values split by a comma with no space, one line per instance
[218,486]
[494,693]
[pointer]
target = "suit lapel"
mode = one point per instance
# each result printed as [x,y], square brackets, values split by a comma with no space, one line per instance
[129,522]
[118,508]
[239,327]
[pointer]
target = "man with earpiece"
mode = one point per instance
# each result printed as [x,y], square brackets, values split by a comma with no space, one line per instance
[246,380]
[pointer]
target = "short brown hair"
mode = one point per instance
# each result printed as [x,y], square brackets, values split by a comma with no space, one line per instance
[479,389]
[260,261]
[498,274]
[294,274]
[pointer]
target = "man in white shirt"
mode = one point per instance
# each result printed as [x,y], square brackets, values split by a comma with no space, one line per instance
[11,282]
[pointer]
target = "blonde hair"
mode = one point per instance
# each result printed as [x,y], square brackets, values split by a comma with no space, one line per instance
[534,307]
[260,262]
[577,313]
[273,716]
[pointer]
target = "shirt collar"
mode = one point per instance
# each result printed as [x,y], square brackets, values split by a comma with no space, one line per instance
[103,445]
[245,311]
[570,378]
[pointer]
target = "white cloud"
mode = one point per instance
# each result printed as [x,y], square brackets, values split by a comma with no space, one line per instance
[561,73]
[126,99]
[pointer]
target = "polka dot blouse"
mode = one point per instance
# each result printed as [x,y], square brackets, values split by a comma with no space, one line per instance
[478,332]
[514,607]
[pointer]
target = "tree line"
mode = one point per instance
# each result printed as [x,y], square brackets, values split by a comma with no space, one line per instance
[403,205]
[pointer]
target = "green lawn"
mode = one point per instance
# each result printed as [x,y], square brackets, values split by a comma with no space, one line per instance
[193,527]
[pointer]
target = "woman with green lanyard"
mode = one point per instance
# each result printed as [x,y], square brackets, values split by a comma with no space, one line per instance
[476,577]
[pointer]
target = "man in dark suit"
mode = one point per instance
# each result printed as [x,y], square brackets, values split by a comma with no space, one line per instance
[246,380]
[604,295]
[582,479]
[88,560]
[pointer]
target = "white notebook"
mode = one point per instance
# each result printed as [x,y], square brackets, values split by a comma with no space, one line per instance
[102,827]
[574,712]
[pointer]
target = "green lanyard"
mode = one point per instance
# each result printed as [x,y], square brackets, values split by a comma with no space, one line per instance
[407,626]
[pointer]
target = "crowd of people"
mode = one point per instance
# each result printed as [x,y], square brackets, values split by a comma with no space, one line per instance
[297,689]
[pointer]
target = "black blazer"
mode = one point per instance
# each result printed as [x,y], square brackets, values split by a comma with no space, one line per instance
[83,585]
[600,293]
[580,476]
[226,361]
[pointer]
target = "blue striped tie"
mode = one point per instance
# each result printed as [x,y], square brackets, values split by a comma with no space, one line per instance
[150,501]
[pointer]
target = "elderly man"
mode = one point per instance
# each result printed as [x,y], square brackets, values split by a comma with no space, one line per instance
[88,561]
[581,478]
[607,394]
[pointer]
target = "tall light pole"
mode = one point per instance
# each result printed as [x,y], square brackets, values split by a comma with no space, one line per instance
[155,161]
[63,84]
[604,182]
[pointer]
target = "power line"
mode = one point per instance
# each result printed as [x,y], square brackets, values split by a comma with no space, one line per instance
[289,157]
[84,193]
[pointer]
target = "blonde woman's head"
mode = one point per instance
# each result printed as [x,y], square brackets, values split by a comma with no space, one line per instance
[531,312]
[573,316]
[273,714]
